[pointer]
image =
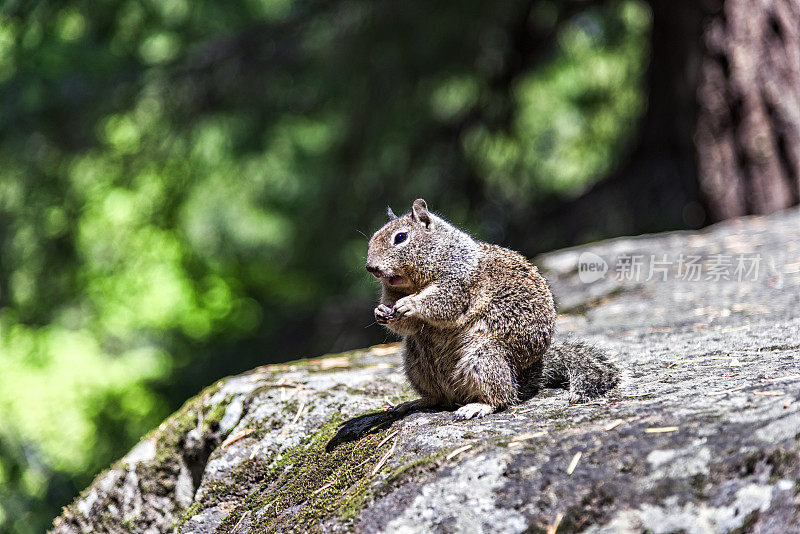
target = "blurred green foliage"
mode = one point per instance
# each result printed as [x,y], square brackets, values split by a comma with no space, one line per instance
[184,186]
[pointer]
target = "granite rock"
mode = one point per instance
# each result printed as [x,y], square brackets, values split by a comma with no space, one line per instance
[703,434]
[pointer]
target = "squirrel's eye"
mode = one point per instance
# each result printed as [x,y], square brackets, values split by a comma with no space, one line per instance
[399,238]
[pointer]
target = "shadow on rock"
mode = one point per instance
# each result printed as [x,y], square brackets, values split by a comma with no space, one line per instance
[358,427]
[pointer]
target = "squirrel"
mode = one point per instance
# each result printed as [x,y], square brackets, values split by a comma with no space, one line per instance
[476,319]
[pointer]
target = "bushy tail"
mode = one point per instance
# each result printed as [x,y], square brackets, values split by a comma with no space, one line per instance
[581,368]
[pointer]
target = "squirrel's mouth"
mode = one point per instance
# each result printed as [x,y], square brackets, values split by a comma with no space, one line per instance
[391,279]
[395,280]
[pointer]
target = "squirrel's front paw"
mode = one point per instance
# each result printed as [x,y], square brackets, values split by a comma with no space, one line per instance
[383,313]
[404,308]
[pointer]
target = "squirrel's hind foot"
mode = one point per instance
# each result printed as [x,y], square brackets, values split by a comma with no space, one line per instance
[473,410]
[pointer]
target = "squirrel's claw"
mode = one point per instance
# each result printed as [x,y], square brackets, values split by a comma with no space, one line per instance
[383,314]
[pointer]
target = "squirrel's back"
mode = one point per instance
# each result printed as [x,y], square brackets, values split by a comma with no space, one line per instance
[516,305]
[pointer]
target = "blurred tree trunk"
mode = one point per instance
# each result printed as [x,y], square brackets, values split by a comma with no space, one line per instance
[721,135]
[657,186]
[748,122]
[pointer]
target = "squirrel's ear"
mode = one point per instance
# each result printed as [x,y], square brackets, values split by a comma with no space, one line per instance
[419,212]
[390,213]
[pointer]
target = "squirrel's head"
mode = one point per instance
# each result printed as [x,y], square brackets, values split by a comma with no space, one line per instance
[399,251]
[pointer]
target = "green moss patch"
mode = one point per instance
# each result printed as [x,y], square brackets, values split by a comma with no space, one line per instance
[309,484]
[159,475]
[195,413]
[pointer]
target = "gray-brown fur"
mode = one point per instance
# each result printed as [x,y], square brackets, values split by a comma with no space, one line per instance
[476,319]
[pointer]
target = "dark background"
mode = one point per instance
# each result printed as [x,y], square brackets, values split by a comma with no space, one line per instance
[186,188]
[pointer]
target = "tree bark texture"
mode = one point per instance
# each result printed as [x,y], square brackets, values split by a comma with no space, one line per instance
[748,122]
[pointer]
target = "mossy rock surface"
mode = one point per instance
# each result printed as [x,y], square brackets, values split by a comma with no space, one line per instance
[703,435]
